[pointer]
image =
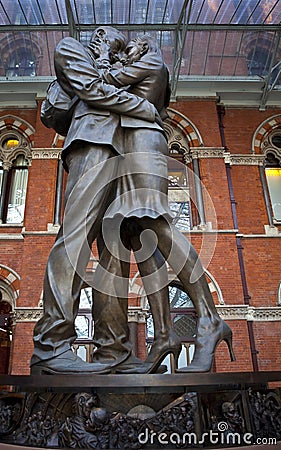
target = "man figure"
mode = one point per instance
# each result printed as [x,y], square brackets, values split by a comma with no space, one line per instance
[90,154]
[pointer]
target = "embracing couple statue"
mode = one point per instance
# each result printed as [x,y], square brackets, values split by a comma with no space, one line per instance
[115,153]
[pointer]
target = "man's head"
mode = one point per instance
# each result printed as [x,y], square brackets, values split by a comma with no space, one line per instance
[110,36]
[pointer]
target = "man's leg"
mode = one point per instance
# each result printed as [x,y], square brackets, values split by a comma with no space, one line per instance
[91,170]
[110,301]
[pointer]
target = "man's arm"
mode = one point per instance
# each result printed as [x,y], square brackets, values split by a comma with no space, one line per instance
[75,72]
[134,73]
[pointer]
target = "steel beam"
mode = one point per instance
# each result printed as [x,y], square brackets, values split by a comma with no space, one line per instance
[145,27]
[269,83]
[73,29]
[180,37]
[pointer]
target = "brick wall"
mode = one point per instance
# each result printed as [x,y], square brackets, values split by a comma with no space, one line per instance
[261,256]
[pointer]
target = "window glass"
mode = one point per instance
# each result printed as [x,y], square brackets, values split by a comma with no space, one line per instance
[178,194]
[184,323]
[86,299]
[84,320]
[258,62]
[179,298]
[276,140]
[102,11]
[11,143]
[21,63]
[17,193]
[82,327]
[273,176]
[182,320]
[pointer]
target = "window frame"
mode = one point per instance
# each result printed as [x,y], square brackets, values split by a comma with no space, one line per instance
[272,161]
[176,155]
[9,169]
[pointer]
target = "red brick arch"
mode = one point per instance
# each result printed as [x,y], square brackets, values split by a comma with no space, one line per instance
[263,131]
[15,123]
[186,127]
[11,279]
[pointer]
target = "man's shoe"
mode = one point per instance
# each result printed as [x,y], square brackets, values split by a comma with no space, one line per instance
[67,363]
[134,365]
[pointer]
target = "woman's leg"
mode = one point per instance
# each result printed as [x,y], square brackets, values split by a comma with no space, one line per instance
[154,274]
[184,260]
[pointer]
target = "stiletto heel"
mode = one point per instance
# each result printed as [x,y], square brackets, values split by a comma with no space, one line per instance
[228,341]
[205,347]
[162,347]
[175,358]
[176,355]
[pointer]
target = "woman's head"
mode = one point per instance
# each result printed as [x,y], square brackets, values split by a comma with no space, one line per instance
[139,46]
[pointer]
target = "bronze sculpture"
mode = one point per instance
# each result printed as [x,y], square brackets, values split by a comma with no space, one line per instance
[96,120]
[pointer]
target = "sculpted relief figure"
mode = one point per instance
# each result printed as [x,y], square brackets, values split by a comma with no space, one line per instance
[115,153]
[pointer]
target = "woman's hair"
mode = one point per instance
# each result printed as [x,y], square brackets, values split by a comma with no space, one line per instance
[153,47]
[146,39]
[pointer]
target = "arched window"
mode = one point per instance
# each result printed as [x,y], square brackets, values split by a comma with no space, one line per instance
[17,185]
[185,188]
[273,177]
[179,190]
[273,173]
[258,61]
[13,178]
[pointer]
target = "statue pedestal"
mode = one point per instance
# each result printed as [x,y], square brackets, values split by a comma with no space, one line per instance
[140,411]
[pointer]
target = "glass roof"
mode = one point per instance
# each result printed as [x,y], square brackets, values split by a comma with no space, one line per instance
[130,12]
[203,38]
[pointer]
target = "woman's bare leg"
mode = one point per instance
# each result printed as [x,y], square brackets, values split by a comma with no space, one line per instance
[184,260]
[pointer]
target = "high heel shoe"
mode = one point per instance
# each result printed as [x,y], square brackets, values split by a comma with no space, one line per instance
[163,346]
[205,347]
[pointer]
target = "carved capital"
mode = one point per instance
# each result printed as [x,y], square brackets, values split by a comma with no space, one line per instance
[7,165]
[137,314]
[207,152]
[27,314]
[46,153]
[249,313]
[246,160]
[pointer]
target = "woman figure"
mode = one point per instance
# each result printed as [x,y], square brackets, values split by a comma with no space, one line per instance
[141,204]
